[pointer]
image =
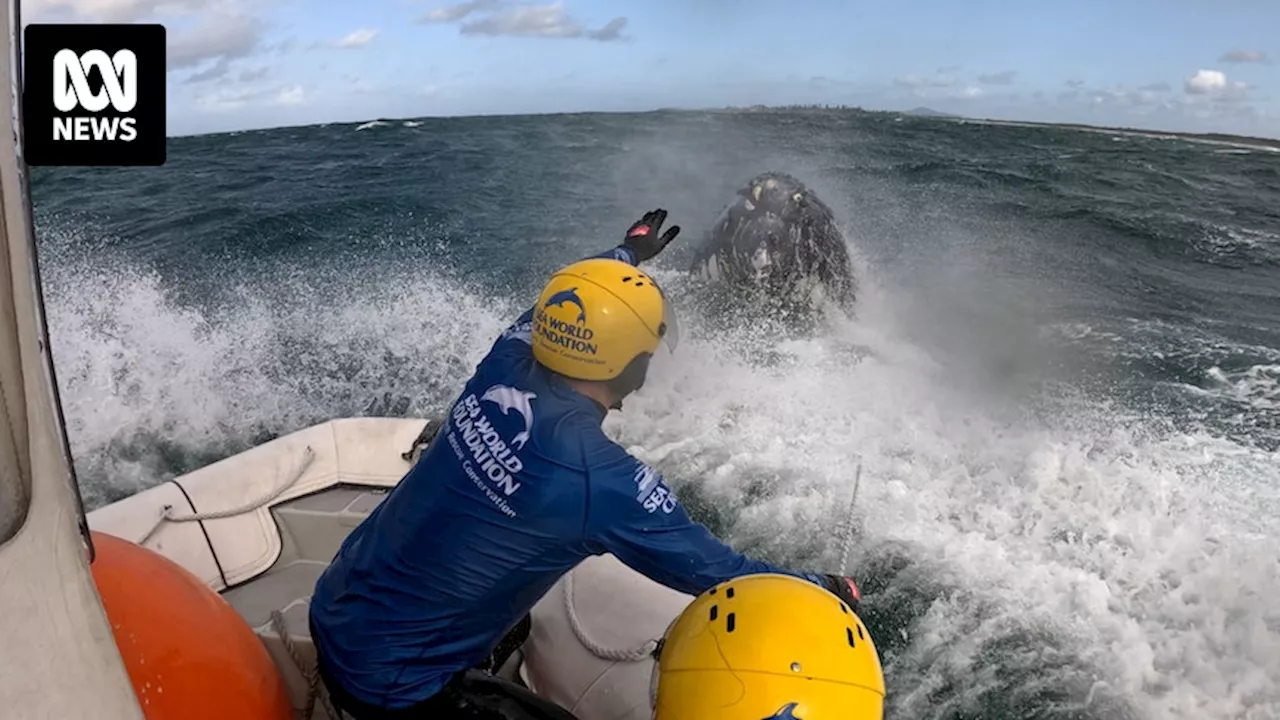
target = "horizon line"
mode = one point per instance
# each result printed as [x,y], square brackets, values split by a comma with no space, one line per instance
[928,114]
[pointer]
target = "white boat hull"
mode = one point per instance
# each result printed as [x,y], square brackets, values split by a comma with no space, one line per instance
[273,516]
[599,662]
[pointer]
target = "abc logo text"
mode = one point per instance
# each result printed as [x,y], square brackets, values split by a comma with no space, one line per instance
[71,91]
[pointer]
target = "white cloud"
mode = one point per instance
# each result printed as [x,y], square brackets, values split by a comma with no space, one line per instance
[113,10]
[549,20]
[1215,85]
[1243,56]
[966,93]
[358,38]
[290,95]
[215,71]
[1212,102]
[453,13]
[1205,82]
[219,36]
[1122,96]
[199,31]
[1118,96]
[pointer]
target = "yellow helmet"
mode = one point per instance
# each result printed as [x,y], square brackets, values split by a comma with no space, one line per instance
[595,317]
[765,647]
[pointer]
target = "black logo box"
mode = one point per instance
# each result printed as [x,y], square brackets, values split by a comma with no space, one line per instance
[41,42]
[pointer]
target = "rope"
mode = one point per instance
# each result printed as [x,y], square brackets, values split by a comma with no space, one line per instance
[166,512]
[846,544]
[315,689]
[422,442]
[648,648]
[604,653]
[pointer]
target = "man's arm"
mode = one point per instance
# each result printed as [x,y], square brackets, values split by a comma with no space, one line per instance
[633,514]
[639,244]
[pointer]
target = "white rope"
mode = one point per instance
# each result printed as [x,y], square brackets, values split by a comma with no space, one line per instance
[166,512]
[604,653]
[649,646]
[846,545]
[316,691]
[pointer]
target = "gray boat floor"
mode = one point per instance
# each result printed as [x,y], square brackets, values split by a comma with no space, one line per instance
[312,529]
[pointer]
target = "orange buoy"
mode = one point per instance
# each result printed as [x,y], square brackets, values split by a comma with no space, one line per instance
[187,651]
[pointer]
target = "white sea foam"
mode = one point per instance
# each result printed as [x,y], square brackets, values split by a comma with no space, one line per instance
[1144,550]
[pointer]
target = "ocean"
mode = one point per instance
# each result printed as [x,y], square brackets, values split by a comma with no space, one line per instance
[1060,387]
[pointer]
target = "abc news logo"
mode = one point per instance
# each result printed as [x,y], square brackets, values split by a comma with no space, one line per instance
[94,94]
[71,91]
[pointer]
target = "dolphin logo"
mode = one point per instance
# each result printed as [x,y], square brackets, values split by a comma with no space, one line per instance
[509,398]
[784,713]
[568,296]
[646,480]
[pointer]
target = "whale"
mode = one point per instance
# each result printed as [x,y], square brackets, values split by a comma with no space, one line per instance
[777,239]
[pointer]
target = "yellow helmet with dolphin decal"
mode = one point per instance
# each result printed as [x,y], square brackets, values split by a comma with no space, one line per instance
[768,647]
[598,318]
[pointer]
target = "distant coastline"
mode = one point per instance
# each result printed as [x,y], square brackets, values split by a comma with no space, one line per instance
[1241,141]
[921,113]
[1223,139]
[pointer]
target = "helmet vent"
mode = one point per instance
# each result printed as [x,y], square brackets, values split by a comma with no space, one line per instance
[844,608]
[626,279]
[728,623]
[715,612]
[849,632]
[728,593]
[860,635]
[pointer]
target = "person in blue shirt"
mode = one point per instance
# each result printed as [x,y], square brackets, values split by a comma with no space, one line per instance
[519,485]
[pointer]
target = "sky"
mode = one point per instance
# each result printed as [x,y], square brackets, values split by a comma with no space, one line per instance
[1183,65]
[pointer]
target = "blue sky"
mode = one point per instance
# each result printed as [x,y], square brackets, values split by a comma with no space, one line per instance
[1199,65]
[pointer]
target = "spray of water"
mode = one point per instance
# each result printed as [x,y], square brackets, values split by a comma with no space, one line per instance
[1084,564]
[1003,563]
[154,387]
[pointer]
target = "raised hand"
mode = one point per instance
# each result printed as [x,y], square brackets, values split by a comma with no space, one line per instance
[643,239]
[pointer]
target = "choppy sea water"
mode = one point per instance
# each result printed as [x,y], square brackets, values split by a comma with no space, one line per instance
[1061,383]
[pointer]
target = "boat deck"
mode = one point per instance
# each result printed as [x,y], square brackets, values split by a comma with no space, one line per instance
[312,529]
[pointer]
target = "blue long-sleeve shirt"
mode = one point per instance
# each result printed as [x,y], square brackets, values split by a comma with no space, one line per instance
[519,486]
